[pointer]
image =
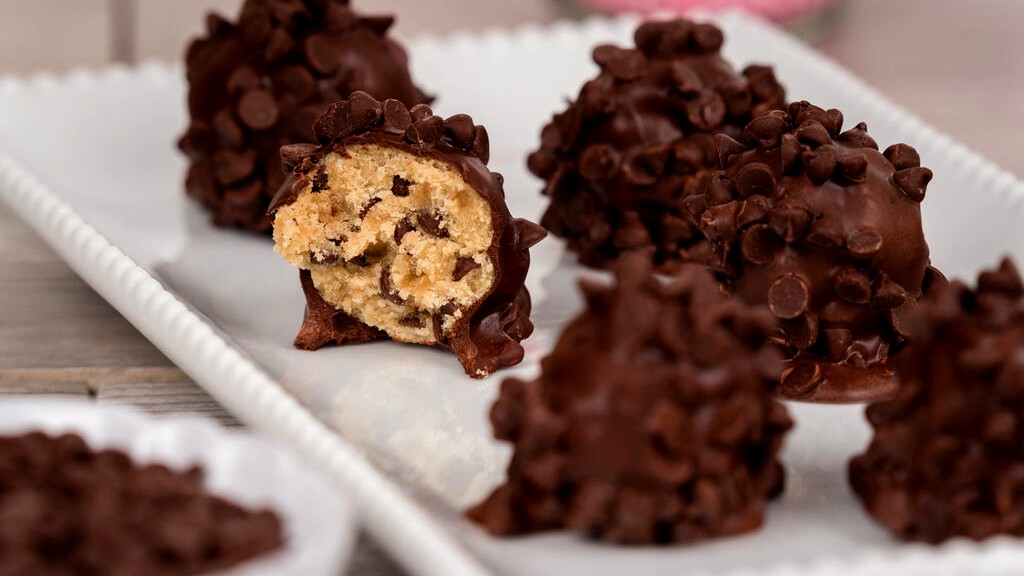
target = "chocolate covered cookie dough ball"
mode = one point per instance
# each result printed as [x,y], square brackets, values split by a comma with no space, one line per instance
[259,83]
[402,232]
[618,162]
[825,230]
[652,420]
[947,459]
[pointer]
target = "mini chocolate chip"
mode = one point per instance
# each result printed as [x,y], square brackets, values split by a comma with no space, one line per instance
[420,112]
[369,206]
[317,258]
[813,134]
[359,260]
[339,18]
[229,134]
[902,156]
[255,24]
[279,45]
[543,164]
[297,81]
[706,111]
[529,233]
[837,341]
[853,286]
[858,137]
[768,128]
[426,131]
[431,222]
[864,243]
[707,37]
[720,190]
[320,180]
[230,166]
[727,148]
[788,296]
[463,266]
[387,290]
[801,332]
[364,111]
[751,211]
[685,79]
[258,110]
[913,181]
[411,322]
[820,164]
[597,162]
[481,144]
[853,167]
[622,64]
[333,123]
[459,130]
[889,294]
[379,24]
[755,179]
[792,153]
[403,227]
[760,244]
[400,186]
[824,234]
[321,54]
[396,115]
[801,379]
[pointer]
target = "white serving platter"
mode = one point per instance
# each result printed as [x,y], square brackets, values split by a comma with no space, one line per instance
[89,161]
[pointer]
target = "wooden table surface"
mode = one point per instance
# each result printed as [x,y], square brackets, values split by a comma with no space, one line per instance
[958,64]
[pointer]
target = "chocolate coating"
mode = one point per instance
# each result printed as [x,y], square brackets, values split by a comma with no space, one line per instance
[947,459]
[652,420]
[619,161]
[487,334]
[259,83]
[67,509]
[825,230]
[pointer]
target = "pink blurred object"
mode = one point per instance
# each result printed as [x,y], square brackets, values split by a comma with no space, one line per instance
[773,9]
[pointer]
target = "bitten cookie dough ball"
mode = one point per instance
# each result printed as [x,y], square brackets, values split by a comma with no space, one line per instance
[652,420]
[826,230]
[259,83]
[947,459]
[640,137]
[401,231]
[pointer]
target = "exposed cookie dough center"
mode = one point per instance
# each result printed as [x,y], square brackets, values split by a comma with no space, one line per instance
[395,240]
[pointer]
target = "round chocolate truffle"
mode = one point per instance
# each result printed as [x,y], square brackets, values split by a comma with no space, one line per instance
[401,231]
[652,421]
[826,231]
[946,459]
[260,83]
[619,160]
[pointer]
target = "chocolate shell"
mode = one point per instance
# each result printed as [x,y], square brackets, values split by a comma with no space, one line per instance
[825,230]
[946,459]
[259,83]
[402,232]
[653,418]
[640,138]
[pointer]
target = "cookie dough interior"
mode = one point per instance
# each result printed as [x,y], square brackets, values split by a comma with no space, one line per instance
[395,240]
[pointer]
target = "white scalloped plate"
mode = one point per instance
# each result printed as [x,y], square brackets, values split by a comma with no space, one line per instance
[88,160]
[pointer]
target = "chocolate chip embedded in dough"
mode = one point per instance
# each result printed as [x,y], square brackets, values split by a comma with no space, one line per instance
[431,222]
[463,266]
[320,180]
[403,227]
[387,290]
[369,206]
[400,186]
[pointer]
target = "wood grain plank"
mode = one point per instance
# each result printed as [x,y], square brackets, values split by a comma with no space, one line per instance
[45,388]
[167,398]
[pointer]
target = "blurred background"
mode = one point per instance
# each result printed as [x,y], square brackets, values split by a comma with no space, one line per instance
[957,63]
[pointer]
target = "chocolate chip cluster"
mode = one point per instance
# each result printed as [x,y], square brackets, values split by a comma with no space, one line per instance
[652,420]
[825,230]
[640,138]
[946,459]
[260,83]
[65,509]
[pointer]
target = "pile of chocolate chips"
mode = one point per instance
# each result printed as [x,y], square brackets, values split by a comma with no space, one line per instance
[640,137]
[653,418]
[260,83]
[947,458]
[825,230]
[65,509]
